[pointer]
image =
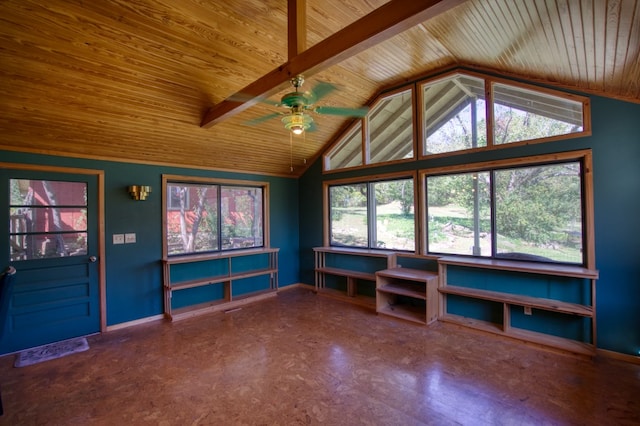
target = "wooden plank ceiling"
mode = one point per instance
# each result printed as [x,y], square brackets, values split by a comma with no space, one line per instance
[132,79]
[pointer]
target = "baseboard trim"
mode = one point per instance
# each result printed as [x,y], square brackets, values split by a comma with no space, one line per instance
[226,307]
[134,323]
[223,307]
[619,356]
[295,286]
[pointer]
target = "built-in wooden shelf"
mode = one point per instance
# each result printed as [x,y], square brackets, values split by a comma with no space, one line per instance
[352,276]
[472,323]
[407,312]
[415,291]
[347,273]
[521,300]
[229,300]
[390,260]
[421,296]
[409,294]
[514,299]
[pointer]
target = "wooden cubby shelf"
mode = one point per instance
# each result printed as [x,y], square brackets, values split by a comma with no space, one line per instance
[409,294]
[347,273]
[358,265]
[520,300]
[529,303]
[232,273]
[197,283]
[406,289]
[515,306]
[325,256]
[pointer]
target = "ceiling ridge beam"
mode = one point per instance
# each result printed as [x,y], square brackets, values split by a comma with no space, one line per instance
[381,24]
[296,27]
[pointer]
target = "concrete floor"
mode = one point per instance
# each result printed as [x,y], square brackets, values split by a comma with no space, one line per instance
[300,358]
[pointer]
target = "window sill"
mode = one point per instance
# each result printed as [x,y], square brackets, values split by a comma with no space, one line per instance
[354,251]
[519,266]
[183,258]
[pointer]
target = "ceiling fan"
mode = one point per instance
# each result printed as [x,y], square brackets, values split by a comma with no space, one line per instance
[299,105]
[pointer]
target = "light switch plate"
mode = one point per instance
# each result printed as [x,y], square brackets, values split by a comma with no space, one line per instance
[129,238]
[118,238]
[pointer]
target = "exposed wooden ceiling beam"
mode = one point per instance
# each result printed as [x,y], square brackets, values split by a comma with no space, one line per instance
[297,27]
[383,23]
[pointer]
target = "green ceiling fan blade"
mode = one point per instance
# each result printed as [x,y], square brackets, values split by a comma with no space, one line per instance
[242,97]
[320,90]
[262,119]
[347,112]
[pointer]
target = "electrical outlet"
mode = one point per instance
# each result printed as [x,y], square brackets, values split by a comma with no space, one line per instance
[527,310]
[118,238]
[130,238]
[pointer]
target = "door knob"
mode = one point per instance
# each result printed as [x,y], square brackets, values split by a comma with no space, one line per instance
[92,259]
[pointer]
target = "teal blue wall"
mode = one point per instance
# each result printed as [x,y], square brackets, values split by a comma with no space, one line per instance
[616,168]
[134,271]
[615,142]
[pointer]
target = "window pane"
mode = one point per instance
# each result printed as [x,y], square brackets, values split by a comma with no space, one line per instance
[241,212]
[41,219]
[37,228]
[348,152]
[454,114]
[394,215]
[192,218]
[459,214]
[176,196]
[521,114]
[348,215]
[24,192]
[539,213]
[38,246]
[391,128]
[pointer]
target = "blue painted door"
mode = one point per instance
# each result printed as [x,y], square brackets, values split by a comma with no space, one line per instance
[52,241]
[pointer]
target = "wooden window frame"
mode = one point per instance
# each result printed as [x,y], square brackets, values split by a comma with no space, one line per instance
[365,148]
[326,222]
[489,82]
[585,156]
[418,119]
[170,179]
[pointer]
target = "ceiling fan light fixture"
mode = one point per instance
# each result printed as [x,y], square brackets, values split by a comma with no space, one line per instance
[300,104]
[297,122]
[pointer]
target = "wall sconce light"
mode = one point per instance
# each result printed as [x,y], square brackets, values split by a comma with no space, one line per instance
[139,192]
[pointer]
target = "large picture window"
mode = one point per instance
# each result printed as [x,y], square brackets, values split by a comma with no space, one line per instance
[530,211]
[213,216]
[376,214]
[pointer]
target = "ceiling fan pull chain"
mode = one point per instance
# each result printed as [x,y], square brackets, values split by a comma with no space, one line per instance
[291,151]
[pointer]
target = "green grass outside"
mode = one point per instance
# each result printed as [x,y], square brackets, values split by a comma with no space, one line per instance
[450,231]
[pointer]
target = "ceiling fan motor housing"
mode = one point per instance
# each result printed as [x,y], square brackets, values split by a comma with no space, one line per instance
[294,99]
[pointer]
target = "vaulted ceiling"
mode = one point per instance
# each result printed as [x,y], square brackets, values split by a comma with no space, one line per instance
[133,80]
